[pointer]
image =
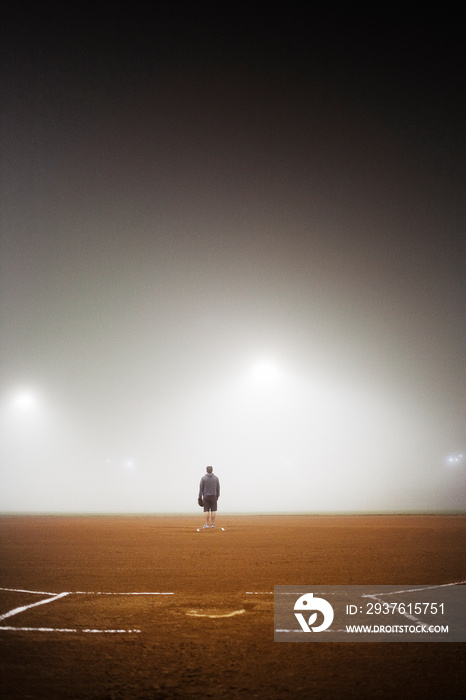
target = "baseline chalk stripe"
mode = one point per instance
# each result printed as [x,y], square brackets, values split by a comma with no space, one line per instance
[415,590]
[147,593]
[378,597]
[21,609]
[23,590]
[56,596]
[65,629]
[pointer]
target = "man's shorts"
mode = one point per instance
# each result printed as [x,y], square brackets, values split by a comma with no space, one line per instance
[210,503]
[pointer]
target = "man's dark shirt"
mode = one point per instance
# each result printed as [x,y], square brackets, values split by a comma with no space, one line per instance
[209,486]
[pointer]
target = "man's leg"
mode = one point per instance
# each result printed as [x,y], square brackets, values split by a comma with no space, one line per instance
[213,513]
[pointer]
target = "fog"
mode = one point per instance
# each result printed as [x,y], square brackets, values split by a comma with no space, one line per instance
[247,263]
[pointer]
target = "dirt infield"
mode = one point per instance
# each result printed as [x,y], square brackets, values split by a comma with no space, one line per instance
[147,607]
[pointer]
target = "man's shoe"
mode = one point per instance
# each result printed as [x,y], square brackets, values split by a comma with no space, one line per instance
[205,527]
[211,525]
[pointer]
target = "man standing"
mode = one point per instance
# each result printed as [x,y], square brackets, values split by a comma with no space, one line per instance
[209,491]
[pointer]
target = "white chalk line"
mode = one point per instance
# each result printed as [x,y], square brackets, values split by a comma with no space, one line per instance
[195,613]
[303,632]
[66,629]
[22,608]
[24,590]
[415,590]
[21,590]
[130,593]
[56,596]
[413,618]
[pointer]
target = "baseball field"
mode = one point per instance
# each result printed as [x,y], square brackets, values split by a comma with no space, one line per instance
[148,607]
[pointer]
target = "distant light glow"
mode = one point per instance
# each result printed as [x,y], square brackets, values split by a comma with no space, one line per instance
[455,459]
[265,372]
[25,399]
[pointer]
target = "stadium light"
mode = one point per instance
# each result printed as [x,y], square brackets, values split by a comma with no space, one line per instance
[25,400]
[265,372]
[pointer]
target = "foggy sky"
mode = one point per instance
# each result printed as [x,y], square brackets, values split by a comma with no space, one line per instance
[186,202]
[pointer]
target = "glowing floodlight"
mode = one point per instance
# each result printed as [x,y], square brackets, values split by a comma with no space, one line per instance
[25,400]
[265,372]
[455,459]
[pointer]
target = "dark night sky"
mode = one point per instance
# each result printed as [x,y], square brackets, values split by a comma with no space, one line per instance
[232,240]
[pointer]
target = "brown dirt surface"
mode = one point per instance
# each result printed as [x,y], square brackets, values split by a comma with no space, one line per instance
[195,643]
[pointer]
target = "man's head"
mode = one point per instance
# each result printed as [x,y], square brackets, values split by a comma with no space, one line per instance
[209,470]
